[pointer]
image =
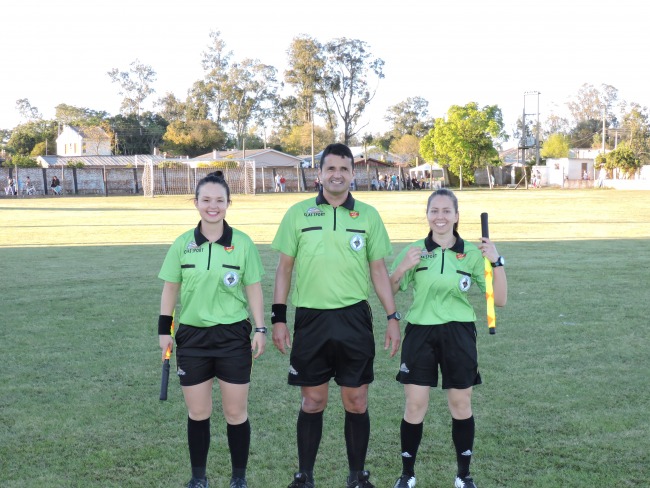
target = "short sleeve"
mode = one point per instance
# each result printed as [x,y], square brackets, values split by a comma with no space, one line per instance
[171,267]
[286,240]
[254,269]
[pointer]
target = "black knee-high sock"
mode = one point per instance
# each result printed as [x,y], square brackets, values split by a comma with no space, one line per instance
[309,432]
[198,439]
[357,435]
[462,433]
[239,442]
[411,436]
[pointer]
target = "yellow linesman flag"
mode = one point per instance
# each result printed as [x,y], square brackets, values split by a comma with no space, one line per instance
[489,297]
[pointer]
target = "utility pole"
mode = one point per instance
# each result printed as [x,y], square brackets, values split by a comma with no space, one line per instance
[604,115]
[537,134]
[536,129]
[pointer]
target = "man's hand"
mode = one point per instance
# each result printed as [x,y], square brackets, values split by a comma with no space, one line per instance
[393,337]
[281,337]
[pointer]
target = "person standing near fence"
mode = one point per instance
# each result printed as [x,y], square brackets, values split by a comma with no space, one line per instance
[440,330]
[10,189]
[218,271]
[278,185]
[332,239]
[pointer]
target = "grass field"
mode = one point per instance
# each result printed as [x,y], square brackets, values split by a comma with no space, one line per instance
[564,401]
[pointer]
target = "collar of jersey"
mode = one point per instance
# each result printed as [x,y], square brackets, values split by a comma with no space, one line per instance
[459,245]
[225,239]
[321,200]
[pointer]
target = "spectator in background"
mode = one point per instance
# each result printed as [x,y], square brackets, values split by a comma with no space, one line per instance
[56,186]
[278,185]
[10,189]
[374,184]
[28,188]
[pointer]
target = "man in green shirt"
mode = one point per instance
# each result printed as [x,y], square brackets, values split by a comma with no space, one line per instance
[332,240]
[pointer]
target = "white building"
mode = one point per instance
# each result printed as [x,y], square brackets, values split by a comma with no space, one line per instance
[83,141]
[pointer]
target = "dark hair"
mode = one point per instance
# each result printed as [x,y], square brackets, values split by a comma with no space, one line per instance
[337,149]
[444,192]
[214,177]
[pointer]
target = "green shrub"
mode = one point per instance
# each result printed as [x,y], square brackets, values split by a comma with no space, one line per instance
[219,164]
[23,162]
[170,164]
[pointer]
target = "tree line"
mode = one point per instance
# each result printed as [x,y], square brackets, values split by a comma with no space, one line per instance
[321,97]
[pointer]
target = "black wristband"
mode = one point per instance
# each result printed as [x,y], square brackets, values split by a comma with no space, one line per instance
[278,313]
[165,324]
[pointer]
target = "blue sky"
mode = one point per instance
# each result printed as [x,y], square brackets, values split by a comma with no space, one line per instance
[449,53]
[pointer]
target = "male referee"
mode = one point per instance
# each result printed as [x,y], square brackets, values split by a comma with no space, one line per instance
[333,240]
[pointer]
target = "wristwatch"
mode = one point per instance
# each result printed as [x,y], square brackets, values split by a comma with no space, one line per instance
[394,315]
[261,329]
[499,262]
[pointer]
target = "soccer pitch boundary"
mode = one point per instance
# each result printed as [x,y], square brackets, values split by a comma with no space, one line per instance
[562,402]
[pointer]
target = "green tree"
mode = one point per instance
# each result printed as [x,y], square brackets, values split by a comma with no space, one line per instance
[409,117]
[251,92]
[24,161]
[586,134]
[622,158]
[346,81]
[193,138]
[78,116]
[554,124]
[26,110]
[590,102]
[635,122]
[466,140]
[197,104]
[212,91]
[306,64]
[171,108]
[556,146]
[25,137]
[298,140]
[137,135]
[407,147]
[135,86]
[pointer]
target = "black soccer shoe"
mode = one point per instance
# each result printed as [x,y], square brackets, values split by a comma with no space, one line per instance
[466,482]
[361,481]
[238,483]
[405,481]
[198,483]
[300,481]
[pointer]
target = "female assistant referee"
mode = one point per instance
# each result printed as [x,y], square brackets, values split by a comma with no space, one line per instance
[440,330]
[217,270]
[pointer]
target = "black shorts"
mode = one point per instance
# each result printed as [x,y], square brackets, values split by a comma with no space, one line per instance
[336,343]
[223,351]
[451,346]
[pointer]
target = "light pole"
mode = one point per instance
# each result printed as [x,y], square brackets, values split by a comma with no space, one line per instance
[537,128]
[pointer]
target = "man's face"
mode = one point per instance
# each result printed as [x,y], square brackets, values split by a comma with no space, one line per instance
[336,174]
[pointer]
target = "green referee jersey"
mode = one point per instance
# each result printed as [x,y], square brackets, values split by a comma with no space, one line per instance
[332,248]
[212,275]
[442,281]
